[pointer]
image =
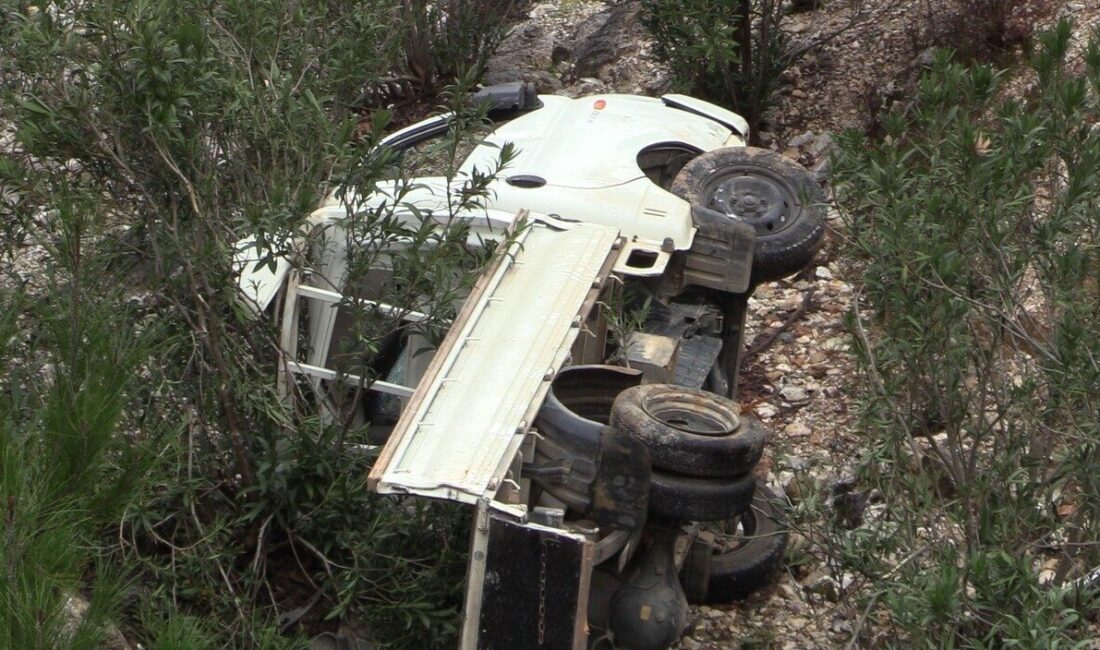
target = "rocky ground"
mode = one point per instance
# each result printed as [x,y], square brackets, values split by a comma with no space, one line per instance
[800,369]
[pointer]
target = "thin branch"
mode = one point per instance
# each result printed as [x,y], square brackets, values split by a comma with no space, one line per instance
[764,340]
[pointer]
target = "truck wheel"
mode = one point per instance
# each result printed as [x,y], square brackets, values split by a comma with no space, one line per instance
[688,498]
[775,195]
[689,431]
[756,555]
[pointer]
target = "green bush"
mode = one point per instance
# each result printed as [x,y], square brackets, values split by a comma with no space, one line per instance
[980,30]
[172,130]
[729,52]
[68,468]
[445,40]
[975,220]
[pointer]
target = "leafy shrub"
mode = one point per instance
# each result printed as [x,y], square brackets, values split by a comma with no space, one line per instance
[445,40]
[67,467]
[975,221]
[728,52]
[734,52]
[182,127]
[980,30]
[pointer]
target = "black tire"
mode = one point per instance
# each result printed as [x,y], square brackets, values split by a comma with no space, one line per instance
[774,194]
[687,498]
[689,431]
[752,565]
[571,420]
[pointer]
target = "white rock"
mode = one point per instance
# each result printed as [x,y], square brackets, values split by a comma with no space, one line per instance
[764,410]
[822,584]
[801,140]
[797,463]
[794,394]
[786,591]
[796,430]
[821,143]
[840,626]
[846,580]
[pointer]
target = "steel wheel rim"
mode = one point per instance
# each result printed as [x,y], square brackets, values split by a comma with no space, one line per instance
[695,416]
[760,198]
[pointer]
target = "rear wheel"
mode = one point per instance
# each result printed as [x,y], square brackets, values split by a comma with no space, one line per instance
[748,551]
[775,195]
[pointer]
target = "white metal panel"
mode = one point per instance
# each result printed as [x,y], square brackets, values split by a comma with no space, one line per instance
[463,426]
[639,209]
[412,203]
[333,297]
[593,142]
[258,282]
[717,113]
[354,380]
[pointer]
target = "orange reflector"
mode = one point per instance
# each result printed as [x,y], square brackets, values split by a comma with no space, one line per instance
[599,104]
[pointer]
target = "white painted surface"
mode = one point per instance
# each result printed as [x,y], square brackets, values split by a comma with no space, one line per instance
[258,283]
[466,428]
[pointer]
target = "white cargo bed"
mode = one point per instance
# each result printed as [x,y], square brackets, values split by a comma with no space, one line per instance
[465,422]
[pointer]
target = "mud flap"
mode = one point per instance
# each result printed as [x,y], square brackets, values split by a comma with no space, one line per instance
[620,491]
[721,255]
[534,589]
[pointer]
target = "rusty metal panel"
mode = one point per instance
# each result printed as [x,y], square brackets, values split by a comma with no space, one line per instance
[654,355]
[535,589]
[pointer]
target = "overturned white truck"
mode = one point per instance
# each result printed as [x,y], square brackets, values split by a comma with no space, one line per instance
[589,480]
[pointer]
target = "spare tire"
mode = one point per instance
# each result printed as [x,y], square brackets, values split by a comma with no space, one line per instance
[752,564]
[687,498]
[770,192]
[689,431]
